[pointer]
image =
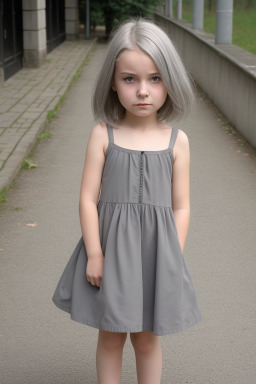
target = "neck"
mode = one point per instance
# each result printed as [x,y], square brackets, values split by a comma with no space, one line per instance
[141,123]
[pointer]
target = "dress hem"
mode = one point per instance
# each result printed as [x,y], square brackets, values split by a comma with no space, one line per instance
[110,328]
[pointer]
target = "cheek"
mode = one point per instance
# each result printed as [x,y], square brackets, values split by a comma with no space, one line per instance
[124,92]
[165,94]
[162,91]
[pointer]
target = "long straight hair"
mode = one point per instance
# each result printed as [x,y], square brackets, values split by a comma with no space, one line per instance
[152,40]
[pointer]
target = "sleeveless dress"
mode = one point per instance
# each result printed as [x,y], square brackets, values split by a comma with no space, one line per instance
[146,284]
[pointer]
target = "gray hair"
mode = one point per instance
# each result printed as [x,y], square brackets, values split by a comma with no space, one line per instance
[151,39]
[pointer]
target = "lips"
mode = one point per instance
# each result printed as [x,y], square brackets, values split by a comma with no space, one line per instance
[142,105]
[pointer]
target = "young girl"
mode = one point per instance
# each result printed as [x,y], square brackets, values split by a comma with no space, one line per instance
[128,273]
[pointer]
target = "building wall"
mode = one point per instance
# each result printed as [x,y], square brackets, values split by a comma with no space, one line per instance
[35,41]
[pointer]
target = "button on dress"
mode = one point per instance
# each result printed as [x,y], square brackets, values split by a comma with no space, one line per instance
[146,284]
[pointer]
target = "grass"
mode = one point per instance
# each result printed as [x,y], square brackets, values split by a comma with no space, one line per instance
[4,191]
[45,135]
[28,163]
[53,112]
[244,31]
[84,62]
[244,34]
[3,194]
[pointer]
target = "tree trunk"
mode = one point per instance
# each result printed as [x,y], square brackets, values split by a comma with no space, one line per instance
[108,23]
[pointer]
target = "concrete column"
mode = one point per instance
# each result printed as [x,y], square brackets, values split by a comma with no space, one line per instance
[224,22]
[179,9]
[198,14]
[169,8]
[1,51]
[34,32]
[71,19]
[166,8]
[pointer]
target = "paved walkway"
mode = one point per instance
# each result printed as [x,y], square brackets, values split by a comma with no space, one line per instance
[27,97]
[40,228]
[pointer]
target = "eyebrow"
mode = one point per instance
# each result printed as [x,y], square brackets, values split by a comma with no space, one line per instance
[134,74]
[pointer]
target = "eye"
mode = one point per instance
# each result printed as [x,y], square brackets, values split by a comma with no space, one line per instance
[129,79]
[156,79]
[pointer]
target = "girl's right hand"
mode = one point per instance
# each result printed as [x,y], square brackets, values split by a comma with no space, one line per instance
[94,270]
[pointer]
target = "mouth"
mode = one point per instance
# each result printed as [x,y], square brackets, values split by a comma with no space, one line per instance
[142,105]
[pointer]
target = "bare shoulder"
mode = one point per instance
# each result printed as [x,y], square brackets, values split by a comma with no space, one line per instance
[181,147]
[99,137]
[99,132]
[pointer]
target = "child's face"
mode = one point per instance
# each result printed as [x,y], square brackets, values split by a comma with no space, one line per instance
[138,83]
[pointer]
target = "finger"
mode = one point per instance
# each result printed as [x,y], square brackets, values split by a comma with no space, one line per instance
[91,280]
[88,279]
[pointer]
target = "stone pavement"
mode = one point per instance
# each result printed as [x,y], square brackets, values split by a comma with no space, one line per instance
[28,96]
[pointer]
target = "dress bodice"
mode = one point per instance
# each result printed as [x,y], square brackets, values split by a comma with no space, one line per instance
[133,176]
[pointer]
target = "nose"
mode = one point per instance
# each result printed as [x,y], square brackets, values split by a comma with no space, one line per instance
[142,90]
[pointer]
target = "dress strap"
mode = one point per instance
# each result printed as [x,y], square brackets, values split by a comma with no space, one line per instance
[110,134]
[173,137]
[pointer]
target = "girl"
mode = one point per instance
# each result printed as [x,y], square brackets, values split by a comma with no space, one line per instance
[128,273]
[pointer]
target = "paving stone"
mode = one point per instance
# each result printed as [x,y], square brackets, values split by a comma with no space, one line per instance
[8,118]
[26,98]
[18,108]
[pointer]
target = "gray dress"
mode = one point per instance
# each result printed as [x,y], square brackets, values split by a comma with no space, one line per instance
[146,285]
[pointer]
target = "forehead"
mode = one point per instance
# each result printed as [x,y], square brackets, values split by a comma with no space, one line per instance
[133,60]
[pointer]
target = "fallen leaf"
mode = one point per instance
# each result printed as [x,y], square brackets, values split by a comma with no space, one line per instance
[246,154]
[32,224]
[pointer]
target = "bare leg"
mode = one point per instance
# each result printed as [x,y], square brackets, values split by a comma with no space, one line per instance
[109,356]
[148,354]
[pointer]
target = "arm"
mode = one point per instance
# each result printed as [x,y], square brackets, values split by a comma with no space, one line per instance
[180,187]
[89,193]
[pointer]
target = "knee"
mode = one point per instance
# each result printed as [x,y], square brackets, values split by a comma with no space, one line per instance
[112,341]
[143,342]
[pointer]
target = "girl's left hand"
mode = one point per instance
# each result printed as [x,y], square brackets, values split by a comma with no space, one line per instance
[94,270]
